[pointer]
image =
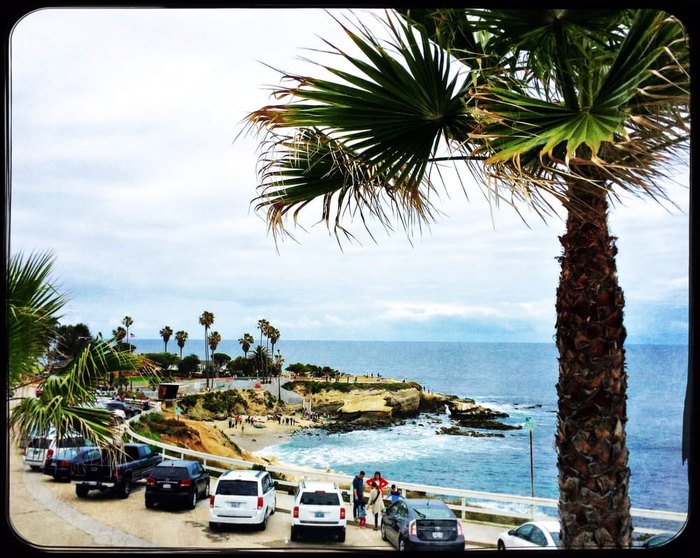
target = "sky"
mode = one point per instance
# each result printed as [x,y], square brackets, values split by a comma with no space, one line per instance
[128,164]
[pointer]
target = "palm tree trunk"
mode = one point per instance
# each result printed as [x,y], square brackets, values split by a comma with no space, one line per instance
[594,505]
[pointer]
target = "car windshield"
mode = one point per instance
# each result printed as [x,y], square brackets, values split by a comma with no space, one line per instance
[237,488]
[320,498]
[555,537]
[169,473]
[428,512]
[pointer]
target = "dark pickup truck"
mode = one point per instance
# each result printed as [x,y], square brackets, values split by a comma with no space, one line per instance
[115,470]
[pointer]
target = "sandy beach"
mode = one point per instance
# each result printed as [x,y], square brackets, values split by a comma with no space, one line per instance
[253,439]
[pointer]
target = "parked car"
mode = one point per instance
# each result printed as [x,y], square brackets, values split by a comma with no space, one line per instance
[117,469]
[319,507]
[539,535]
[43,446]
[127,409]
[177,481]
[60,464]
[659,539]
[245,496]
[422,524]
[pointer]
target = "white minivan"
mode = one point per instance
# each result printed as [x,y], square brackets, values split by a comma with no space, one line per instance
[244,496]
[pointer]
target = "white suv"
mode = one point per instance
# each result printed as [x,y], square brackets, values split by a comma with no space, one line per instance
[242,497]
[318,506]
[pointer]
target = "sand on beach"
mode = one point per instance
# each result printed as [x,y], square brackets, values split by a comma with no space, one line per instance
[254,439]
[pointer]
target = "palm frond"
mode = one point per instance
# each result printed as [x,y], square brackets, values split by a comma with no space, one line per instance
[380,123]
[33,305]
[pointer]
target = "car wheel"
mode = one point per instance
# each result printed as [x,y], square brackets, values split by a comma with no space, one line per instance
[274,506]
[295,534]
[214,526]
[383,530]
[263,523]
[341,535]
[501,545]
[81,490]
[34,467]
[402,545]
[149,503]
[206,489]
[193,501]
[124,488]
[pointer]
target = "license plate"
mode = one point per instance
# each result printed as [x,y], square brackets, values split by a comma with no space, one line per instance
[319,514]
[93,469]
[437,535]
[234,504]
[166,485]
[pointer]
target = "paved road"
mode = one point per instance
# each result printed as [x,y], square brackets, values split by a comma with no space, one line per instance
[46,513]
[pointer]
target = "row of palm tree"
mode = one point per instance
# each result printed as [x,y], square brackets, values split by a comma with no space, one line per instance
[559,110]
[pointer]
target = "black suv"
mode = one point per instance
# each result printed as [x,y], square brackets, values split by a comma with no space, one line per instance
[177,481]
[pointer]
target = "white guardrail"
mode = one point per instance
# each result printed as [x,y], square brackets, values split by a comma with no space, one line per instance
[470,500]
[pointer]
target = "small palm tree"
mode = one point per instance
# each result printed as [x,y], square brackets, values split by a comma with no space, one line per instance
[166,333]
[274,336]
[119,334]
[127,322]
[263,324]
[33,304]
[214,339]
[206,319]
[181,338]
[246,341]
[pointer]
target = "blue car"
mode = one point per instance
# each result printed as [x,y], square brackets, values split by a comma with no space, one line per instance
[422,524]
[60,463]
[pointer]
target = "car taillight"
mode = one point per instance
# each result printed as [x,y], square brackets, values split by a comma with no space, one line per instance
[459,529]
[49,454]
[211,500]
[64,463]
[412,528]
[260,502]
[150,481]
[342,512]
[115,473]
[185,482]
[295,512]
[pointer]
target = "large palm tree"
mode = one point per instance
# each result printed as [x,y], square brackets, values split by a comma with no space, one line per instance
[558,109]
[181,338]
[206,320]
[166,333]
[246,341]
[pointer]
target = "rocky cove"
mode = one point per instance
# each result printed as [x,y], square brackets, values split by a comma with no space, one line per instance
[385,403]
[366,404]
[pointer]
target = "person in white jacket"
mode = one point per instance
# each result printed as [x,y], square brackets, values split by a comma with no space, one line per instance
[375,503]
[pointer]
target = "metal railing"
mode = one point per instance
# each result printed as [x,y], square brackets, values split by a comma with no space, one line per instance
[462,501]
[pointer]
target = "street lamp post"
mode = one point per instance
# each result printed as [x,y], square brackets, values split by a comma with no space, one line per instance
[530,426]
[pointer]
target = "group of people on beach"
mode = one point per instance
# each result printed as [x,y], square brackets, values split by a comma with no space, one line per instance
[375,502]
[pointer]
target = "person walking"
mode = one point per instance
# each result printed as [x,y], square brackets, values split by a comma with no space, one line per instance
[358,484]
[376,503]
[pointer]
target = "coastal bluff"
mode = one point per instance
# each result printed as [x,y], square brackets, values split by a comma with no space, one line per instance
[383,403]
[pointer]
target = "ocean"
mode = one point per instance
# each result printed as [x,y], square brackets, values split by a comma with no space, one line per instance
[516,378]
